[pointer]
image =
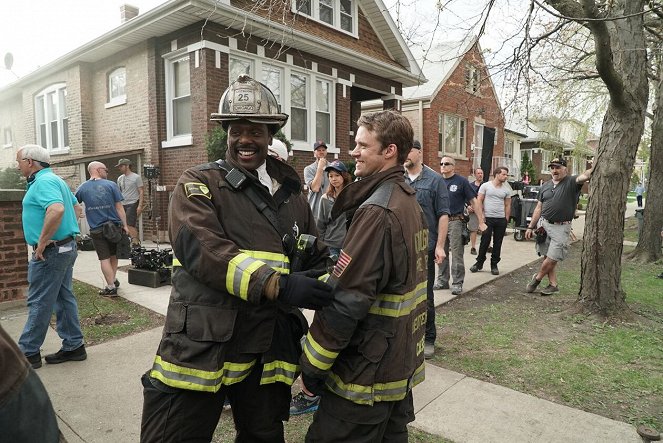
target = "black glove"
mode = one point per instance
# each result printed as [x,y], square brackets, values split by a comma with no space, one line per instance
[315,384]
[304,292]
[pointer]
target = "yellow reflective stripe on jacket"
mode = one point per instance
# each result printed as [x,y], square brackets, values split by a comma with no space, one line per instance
[319,357]
[367,395]
[197,379]
[176,262]
[279,370]
[239,273]
[324,277]
[278,262]
[399,305]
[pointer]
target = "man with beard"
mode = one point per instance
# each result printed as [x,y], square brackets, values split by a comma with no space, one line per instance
[233,328]
[554,212]
[433,198]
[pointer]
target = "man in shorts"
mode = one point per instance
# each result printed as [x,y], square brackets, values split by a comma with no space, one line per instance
[131,186]
[104,213]
[554,212]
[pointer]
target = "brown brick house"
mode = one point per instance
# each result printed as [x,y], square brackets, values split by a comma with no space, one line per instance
[145,90]
[456,112]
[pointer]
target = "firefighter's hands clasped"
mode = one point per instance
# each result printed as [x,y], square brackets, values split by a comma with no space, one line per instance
[304,292]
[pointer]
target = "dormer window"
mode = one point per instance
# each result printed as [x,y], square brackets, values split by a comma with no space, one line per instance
[339,14]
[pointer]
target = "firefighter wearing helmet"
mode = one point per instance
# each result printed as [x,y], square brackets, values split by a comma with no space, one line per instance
[233,327]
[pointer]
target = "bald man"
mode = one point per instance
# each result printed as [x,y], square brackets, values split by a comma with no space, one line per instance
[104,211]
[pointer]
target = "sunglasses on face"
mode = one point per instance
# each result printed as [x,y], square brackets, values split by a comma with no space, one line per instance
[446,164]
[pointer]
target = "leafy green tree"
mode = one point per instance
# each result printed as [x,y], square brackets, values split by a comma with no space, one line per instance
[528,166]
[11,178]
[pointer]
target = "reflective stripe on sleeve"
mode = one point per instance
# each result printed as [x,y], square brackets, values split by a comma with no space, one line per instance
[319,357]
[239,273]
[399,305]
[279,370]
[197,379]
[278,262]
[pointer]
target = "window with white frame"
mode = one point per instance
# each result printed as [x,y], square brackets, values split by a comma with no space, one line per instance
[8,141]
[272,77]
[545,160]
[323,110]
[117,81]
[478,136]
[472,79]
[298,107]
[340,14]
[238,66]
[178,101]
[51,118]
[508,148]
[451,132]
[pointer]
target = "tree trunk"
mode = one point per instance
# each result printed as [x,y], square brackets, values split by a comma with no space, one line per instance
[622,63]
[648,249]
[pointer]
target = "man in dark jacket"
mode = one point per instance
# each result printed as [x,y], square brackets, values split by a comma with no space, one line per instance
[365,352]
[233,328]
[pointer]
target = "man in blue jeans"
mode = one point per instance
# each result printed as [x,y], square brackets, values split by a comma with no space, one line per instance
[50,227]
[433,198]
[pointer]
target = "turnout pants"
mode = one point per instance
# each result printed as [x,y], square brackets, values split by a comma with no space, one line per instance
[177,415]
[340,420]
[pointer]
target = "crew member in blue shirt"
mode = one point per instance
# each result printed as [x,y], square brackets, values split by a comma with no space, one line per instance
[49,224]
[434,200]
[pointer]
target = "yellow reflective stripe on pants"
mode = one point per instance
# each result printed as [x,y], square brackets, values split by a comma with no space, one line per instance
[399,305]
[239,273]
[278,262]
[197,379]
[318,356]
[367,395]
[279,370]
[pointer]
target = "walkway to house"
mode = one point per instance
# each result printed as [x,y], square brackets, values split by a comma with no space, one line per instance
[100,399]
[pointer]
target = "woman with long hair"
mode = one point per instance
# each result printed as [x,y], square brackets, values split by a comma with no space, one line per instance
[332,232]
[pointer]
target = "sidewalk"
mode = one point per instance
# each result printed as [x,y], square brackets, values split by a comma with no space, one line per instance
[100,399]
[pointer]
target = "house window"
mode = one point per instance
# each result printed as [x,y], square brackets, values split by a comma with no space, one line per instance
[508,148]
[51,118]
[8,142]
[451,132]
[272,78]
[117,81]
[478,136]
[323,110]
[178,102]
[545,160]
[340,14]
[298,107]
[239,66]
[472,79]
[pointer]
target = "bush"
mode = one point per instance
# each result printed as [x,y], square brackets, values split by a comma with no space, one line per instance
[11,178]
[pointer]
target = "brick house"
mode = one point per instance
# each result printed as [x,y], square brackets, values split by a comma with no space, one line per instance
[550,137]
[456,112]
[146,89]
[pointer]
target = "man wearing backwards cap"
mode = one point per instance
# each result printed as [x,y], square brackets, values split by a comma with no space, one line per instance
[315,177]
[131,186]
[554,212]
[233,328]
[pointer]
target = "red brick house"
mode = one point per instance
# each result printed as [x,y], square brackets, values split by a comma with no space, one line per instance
[146,89]
[456,112]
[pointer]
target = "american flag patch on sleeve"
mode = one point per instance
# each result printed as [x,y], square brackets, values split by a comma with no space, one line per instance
[342,263]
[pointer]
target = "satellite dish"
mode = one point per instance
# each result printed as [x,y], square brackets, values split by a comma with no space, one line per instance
[9,61]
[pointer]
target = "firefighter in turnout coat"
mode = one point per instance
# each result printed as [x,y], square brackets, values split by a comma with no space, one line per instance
[364,353]
[233,328]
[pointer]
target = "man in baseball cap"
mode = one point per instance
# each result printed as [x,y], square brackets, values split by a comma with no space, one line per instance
[557,162]
[315,177]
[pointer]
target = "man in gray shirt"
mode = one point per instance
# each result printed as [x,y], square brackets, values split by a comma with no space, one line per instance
[495,198]
[558,198]
[131,186]
[315,177]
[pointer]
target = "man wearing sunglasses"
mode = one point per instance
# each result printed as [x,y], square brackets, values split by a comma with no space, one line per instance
[460,194]
[554,212]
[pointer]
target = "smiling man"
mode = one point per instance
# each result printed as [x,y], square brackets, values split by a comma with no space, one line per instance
[233,328]
[365,352]
[554,212]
